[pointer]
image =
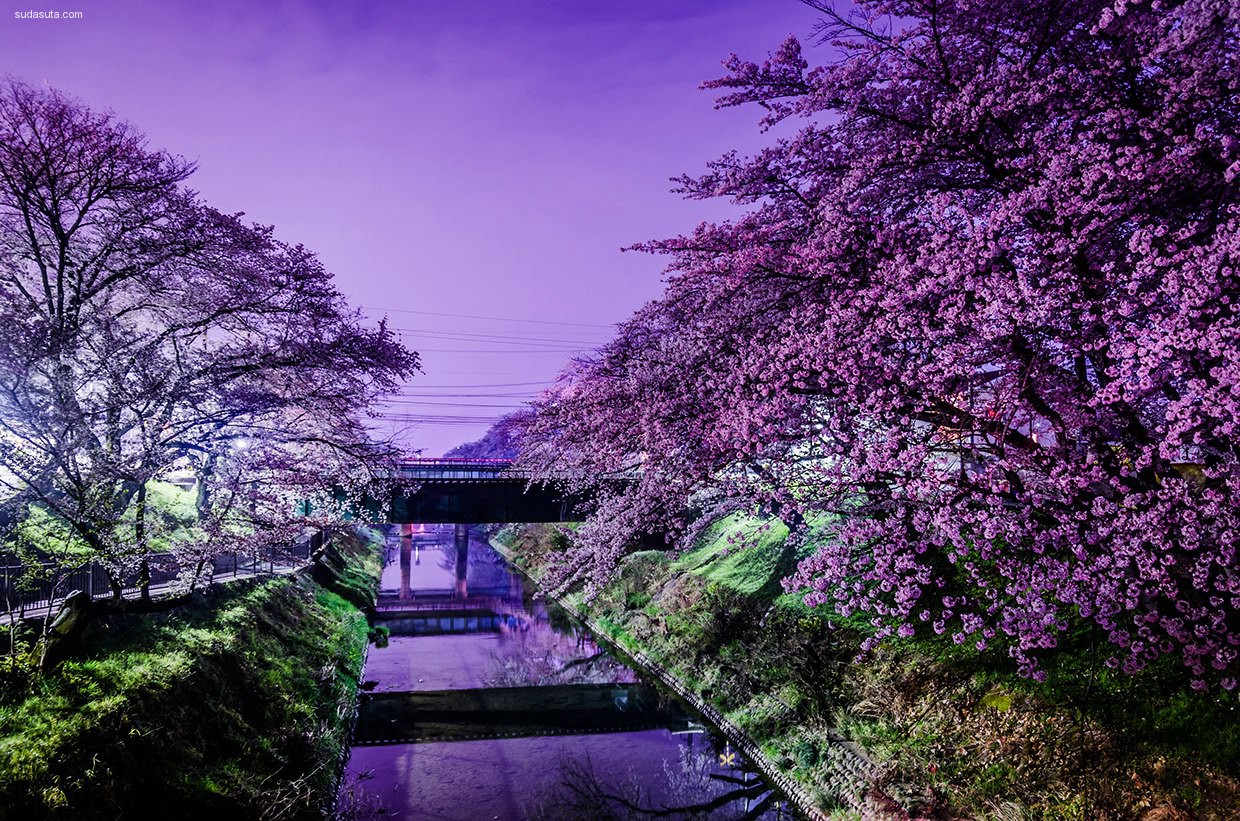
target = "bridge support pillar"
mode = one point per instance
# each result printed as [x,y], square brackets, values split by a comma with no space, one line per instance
[462,561]
[406,560]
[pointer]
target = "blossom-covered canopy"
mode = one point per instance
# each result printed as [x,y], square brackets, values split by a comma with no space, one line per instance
[980,306]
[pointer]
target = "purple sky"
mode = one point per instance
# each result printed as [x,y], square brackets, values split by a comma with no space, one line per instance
[482,157]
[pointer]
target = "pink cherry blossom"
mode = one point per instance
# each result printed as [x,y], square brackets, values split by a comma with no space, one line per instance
[978,310]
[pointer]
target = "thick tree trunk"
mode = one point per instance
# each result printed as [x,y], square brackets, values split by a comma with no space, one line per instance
[62,631]
[144,579]
[198,568]
[114,583]
[139,532]
[202,501]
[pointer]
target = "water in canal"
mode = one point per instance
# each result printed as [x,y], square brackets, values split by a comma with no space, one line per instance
[489,704]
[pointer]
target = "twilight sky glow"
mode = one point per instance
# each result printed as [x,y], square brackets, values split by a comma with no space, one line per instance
[441,156]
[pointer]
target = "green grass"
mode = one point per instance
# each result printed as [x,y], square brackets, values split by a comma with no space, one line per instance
[961,727]
[231,705]
[738,553]
[171,515]
[49,534]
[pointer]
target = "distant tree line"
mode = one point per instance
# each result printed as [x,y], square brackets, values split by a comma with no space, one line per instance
[501,441]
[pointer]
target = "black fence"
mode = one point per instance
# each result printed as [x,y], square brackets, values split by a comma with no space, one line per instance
[27,588]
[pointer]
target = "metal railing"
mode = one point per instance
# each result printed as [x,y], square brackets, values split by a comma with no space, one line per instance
[32,589]
[460,469]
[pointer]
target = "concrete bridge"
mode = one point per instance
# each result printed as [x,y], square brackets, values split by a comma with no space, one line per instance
[470,491]
[412,537]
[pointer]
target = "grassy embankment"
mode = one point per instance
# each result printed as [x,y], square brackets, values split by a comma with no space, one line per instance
[955,733]
[234,706]
[170,519]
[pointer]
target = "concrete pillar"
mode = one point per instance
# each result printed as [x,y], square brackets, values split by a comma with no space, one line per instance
[516,591]
[406,560]
[462,561]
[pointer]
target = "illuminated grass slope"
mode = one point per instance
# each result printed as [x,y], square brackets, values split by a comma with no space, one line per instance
[234,706]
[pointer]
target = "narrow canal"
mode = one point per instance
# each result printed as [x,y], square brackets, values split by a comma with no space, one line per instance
[486,703]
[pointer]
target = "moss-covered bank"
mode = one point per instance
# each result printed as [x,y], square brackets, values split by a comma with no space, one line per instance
[235,706]
[951,734]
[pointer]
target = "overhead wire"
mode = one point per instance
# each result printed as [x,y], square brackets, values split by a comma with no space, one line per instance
[492,318]
[500,338]
[449,404]
[492,385]
[482,350]
[423,419]
[463,396]
[553,337]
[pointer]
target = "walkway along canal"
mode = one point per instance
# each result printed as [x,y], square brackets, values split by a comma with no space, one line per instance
[487,704]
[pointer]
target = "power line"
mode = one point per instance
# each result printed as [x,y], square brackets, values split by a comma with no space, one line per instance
[528,394]
[498,350]
[438,420]
[481,337]
[489,385]
[449,404]
[497,340]
[495,318]
[511,372]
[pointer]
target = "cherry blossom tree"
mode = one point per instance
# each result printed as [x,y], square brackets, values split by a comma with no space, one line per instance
[142,331]
[979,305]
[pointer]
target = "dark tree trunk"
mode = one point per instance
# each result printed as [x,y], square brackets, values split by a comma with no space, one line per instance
[139,532]
[202,501]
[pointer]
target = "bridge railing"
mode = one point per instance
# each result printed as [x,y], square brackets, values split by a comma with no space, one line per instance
[447,469]
[32,588]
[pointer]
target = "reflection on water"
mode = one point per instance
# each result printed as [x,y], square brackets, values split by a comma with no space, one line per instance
[488,704]
[693,787]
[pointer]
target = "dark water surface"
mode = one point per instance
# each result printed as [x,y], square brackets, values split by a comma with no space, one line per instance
[487,704]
